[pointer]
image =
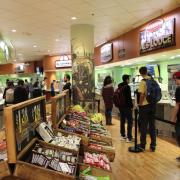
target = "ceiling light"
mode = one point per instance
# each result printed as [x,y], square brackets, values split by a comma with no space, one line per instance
[13,30]
[73,18]
[19,54]
[57,40]
[34,46]
[172,57]
[149,60]
[164,55]
[178,55]
[14,60]
[48,50]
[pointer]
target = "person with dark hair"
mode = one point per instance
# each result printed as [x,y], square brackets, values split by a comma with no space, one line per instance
[36,90]
[20,93]
[126,109]
[53,88]
[107,94]
[146,113]
[6,88]
[26,85]
[68,84]
[9,94]
[176,111]
[44,85]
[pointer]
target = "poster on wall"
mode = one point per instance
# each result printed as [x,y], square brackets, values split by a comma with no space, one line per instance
[106,53]
[158,34]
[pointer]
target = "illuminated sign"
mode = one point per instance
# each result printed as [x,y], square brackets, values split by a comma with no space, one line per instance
[156,35]
[65,61]
[106,53]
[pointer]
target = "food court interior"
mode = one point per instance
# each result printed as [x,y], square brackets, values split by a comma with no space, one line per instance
[55,135]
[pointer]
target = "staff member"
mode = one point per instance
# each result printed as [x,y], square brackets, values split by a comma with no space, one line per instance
[176,111]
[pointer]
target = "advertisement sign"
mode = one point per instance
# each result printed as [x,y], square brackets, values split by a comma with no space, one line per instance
[156,35]
[106,53]
[65,61]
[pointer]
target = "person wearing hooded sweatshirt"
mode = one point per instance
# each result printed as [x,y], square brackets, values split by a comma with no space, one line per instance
[107,94]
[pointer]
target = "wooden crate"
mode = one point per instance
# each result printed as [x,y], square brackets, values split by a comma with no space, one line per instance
[4,169]
[99,137]
[30,171]
[96,171]
[21,121]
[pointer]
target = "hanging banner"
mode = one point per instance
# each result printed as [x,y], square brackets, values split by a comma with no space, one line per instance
[156,35]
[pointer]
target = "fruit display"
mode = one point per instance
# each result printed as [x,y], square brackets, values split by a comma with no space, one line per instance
[97,160]
[78,109]
[97,118]
[69,142]
[61,161]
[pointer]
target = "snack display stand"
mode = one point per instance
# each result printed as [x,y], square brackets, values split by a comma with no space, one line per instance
[4,169]
[23,145]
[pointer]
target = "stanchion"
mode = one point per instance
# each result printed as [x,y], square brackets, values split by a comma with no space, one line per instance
[135,148]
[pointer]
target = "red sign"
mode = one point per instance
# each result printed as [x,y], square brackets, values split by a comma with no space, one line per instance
[155,25]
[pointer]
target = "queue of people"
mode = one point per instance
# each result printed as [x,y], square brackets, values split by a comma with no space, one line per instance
[25,90]
[148,94]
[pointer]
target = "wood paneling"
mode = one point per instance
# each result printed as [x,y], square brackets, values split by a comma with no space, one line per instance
[130,41]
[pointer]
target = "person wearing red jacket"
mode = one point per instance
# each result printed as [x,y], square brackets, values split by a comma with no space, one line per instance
[107,94]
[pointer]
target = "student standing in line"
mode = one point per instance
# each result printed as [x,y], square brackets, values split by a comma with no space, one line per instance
[107,94]
[31,88]
[68,84]
[36,90]
[176,111]
[20,93]
[146,113]
[53,88]
[126,109]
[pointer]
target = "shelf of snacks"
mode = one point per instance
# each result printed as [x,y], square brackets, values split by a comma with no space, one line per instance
[76,122]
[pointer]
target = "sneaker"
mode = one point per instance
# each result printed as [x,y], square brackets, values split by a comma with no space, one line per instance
[129,140]
[122,138]
[178,159]
[152,148]
[141,147]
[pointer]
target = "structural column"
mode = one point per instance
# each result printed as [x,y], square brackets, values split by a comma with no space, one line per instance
[82,49]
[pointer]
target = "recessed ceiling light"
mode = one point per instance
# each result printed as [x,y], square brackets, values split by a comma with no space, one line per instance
[164,55]
[178,55]
[13,30]
[14,60]
[48,50]
[34,46]
[19,54]
[73,18]
[149,60]
[57,40]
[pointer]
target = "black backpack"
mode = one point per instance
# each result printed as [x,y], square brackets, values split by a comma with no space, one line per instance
[119,97]
[153,91]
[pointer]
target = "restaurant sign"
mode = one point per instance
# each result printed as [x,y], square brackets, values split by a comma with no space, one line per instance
[65,61]
[158,34]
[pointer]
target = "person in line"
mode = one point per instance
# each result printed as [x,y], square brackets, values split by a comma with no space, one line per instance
[146,113]
[107,94]
[176,111]
[26,85]
[53,88]
[126,109]
[68,84]
[44,85]
[36,90]
[20,93]
[31,88]
[9,94]
[6,88]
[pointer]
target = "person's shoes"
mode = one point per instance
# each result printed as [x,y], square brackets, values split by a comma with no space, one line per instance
[122,138]
[129,140]
[141,147]
[152,148]
[178,159]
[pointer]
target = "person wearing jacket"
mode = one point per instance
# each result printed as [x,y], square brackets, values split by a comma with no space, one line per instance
[126,110]
[107,94]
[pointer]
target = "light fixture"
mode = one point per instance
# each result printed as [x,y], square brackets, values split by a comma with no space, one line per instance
[14,60]
[13,30]
[178,55]
[172,57]
[57,40]
[48,50]
[149,60]
[164,55]
[34,46]
[19,54]
[73,18]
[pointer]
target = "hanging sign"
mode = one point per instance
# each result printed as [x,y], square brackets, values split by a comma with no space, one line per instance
[156,35]
[65,61]
[106,53]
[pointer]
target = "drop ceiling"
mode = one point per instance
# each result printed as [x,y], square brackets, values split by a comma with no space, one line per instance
[46,23]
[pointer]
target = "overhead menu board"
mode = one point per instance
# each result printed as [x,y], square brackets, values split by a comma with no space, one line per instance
[158,34]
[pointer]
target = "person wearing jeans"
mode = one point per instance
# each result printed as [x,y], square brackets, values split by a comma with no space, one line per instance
[126,110]
[146,113]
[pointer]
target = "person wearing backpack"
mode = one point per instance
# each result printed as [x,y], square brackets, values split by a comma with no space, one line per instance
[149,94]
[107,94]
[125,107]
[176,111]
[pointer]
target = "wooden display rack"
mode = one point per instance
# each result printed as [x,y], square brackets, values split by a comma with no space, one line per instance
[59,114]
[103,138]
[4,169]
